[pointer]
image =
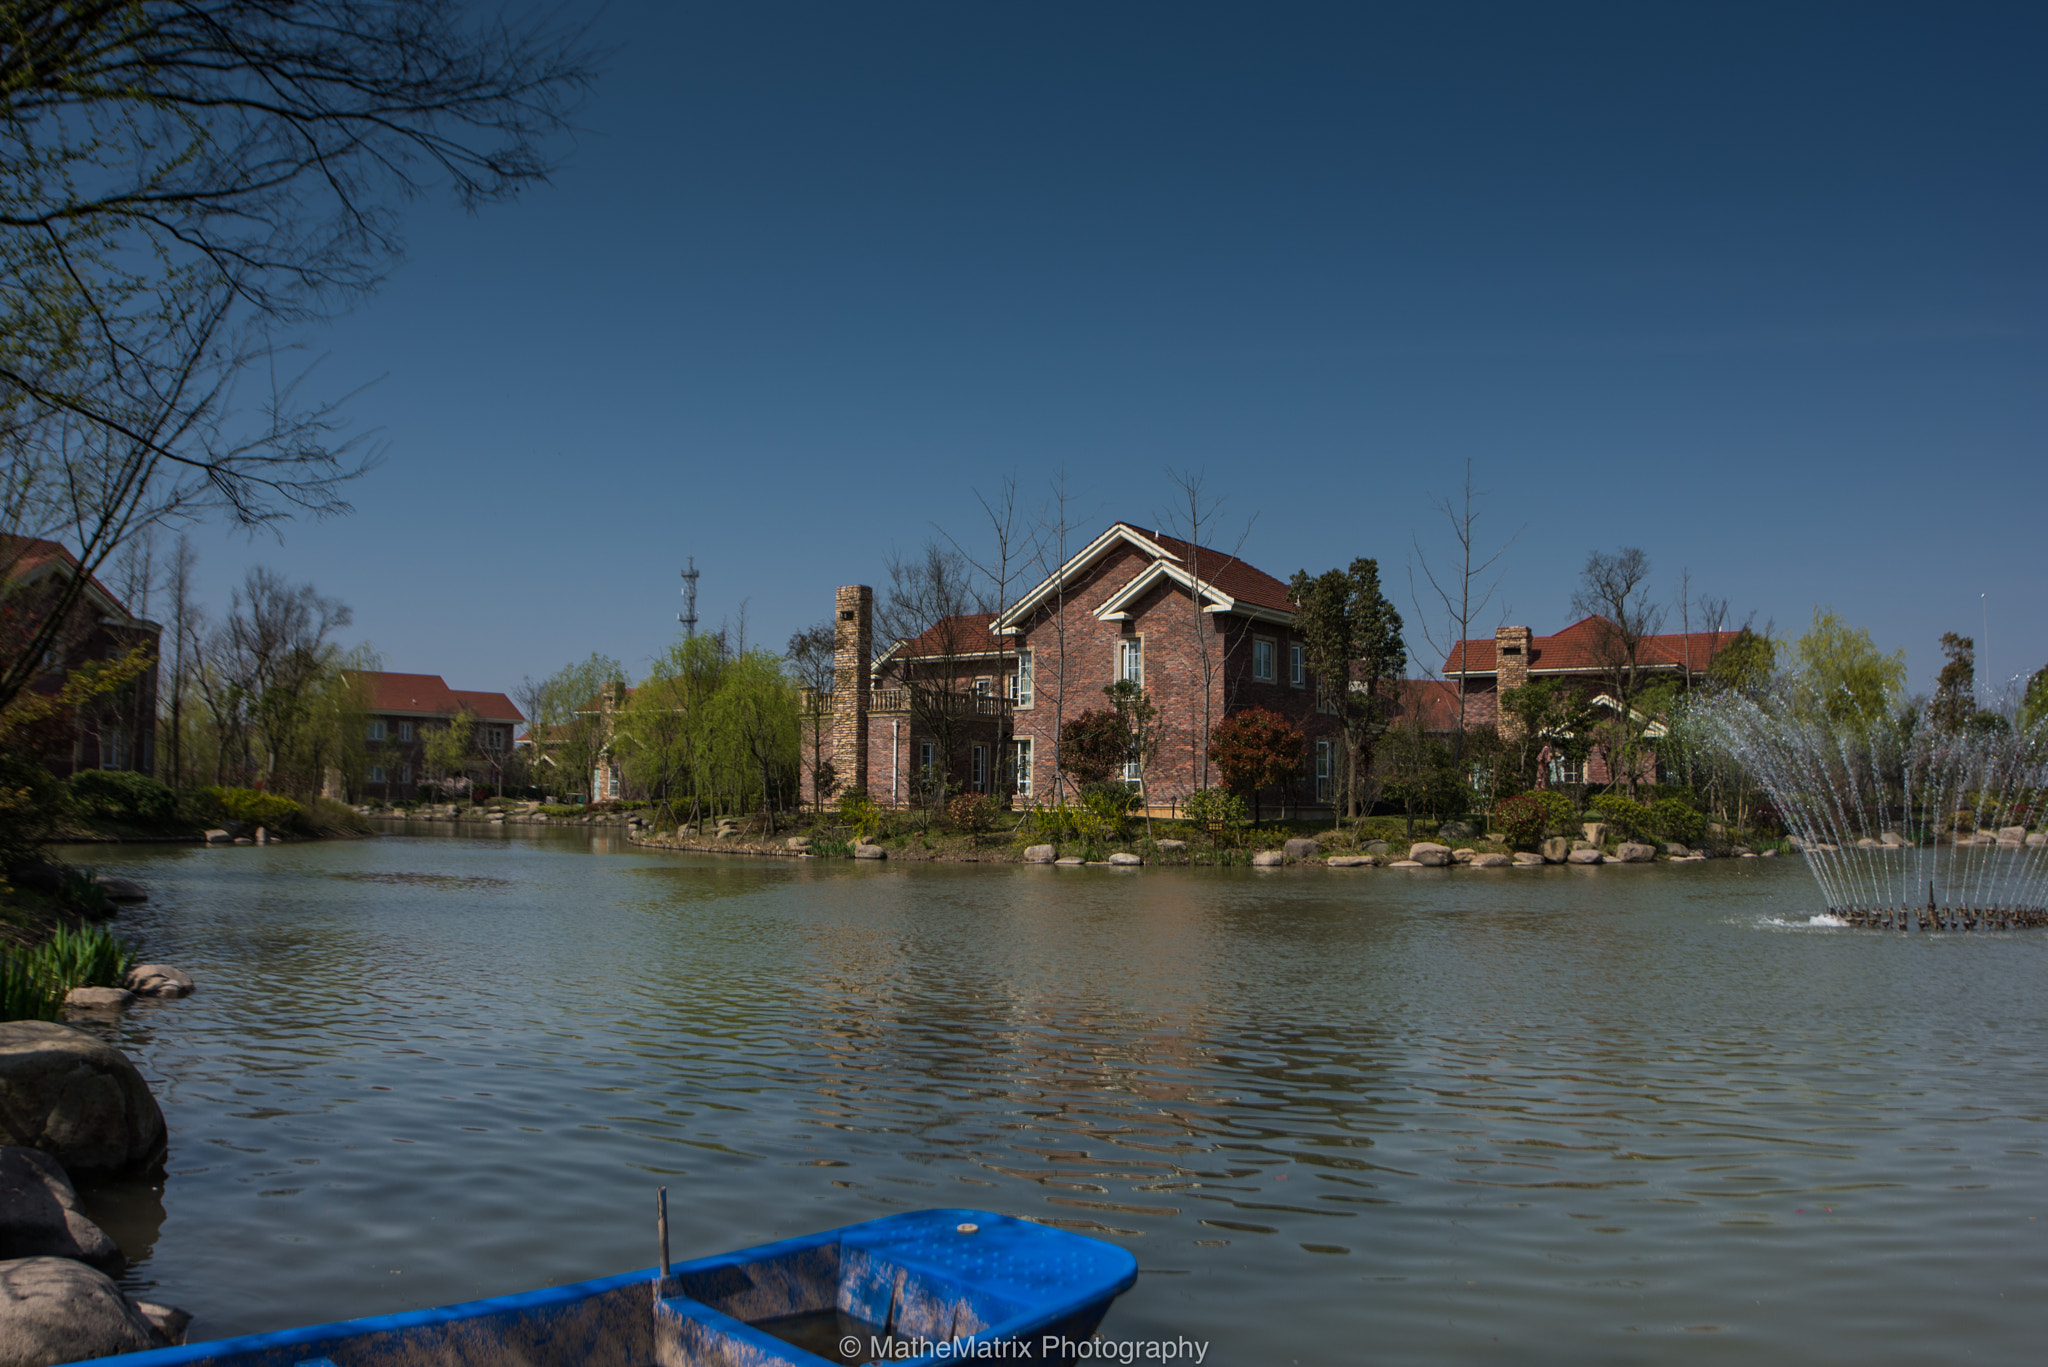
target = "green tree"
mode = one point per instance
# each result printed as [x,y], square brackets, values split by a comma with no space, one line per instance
[755,733]
[1843,674]
[1352,635]
[1745,665]
[1954,704]
[2034,702]
[567,722]
[667,724]
[1553,716]
[448,748]
[1093,746]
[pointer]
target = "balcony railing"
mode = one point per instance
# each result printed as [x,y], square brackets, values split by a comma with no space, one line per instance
[924,700]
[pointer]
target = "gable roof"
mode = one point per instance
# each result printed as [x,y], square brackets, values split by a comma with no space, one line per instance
[1580,649]
[25,559]
[428,695]
[1228,583]
[1435,700]
[961,636]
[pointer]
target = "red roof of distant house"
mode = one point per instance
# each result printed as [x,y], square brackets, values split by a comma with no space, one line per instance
[1436,700]
[1580,648]
[429,695]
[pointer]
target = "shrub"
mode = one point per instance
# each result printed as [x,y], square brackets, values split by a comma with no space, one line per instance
[23,997]
[1217,807]
[973,812]
[122,796]
[1559,815]
[858,810]
[1063,821]
[255,808]
[89,957]
[1673,818]
[1628,817]
[30,802]
[1522,820]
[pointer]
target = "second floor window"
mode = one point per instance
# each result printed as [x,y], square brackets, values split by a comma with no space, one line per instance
[1297,665]
[405,730]
[1020,682]
[1130,662]
[1262,659]
[375,731]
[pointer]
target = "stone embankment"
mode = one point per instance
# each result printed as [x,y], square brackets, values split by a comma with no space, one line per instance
[525,814]
[70,1102]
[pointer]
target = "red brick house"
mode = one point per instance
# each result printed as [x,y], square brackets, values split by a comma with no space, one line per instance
[1205,634]
[403,708]
[116,730]
[1582,655]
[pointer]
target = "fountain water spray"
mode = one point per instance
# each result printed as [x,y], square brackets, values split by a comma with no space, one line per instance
[1904,824]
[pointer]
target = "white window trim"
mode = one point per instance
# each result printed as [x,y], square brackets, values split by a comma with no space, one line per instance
[1326,770]
[1272,646]
[375,730]
[1023,762]
[1297,665]
[1116,659]
[1021,680]
[978,768]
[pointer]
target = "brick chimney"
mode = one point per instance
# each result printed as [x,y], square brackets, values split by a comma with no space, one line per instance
[1511,666]
[852,676]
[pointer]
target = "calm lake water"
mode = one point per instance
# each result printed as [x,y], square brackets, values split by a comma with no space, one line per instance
[1623,1115]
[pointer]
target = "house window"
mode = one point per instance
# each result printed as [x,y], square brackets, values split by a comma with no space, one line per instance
[1297,665]
[405,773]
[1262,659]
[1023,744]
[979,772]
[1567,771]
[1325,767]
[927,755]
[1134,774]
[1020,682]
[375,730]
[376,773]
[1130,661]
[405,730]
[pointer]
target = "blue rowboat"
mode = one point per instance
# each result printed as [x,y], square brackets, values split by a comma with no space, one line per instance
[925,1287]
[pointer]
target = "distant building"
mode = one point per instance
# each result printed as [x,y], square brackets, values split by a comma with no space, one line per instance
[116,730]
[1581,656]
[1205,634]
[403,708]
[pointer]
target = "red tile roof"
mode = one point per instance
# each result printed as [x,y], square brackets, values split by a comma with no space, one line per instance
[965,634]
[428,695]
[1579,648]
[1435,699]
[1224,571]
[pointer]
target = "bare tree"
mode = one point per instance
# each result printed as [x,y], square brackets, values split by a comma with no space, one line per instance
[1192,516]
[1460,593]
[928,616]
[181,179]
[812,656]
[1057,523]
[1010,552]
[188,625]
[1615,590]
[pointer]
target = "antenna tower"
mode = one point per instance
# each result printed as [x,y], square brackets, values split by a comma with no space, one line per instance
[688,616]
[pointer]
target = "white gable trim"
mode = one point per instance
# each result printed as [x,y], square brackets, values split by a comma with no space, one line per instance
[1118,606]
[1007,623]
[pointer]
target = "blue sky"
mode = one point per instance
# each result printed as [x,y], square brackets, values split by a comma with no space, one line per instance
[1759,289]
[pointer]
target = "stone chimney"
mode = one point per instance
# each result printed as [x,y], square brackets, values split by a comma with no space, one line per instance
[852,676]
[1511,666]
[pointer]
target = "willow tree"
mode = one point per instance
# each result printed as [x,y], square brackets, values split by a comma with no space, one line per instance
[669,723]
[755,730]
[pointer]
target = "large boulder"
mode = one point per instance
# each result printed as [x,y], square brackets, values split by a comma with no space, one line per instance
[77,1098]
[1268,859]
[1525,860]
[1632,853]
[56,1310]
[1555,849]
[1125,858]
[868,852]
[1352,861]
[1429,854]
[1172,846]
[1040,854]
[40,1216]
[1457,830]
[1588,855]
[1375,847]
[122,889]
[1490,861]
[1596,832]
[1300,848]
